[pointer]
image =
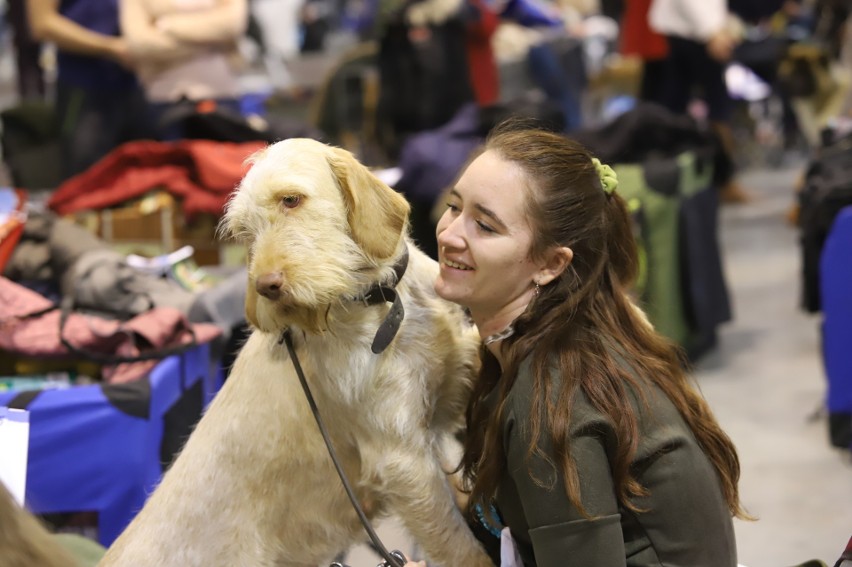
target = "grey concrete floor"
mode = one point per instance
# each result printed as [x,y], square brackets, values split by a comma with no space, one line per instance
[765,382]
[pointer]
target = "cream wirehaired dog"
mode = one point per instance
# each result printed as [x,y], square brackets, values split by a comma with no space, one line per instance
[254,485]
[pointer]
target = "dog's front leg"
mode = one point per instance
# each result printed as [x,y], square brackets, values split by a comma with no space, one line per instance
[417,490]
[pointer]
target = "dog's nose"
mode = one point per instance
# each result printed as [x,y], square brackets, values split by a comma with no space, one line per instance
[269,285]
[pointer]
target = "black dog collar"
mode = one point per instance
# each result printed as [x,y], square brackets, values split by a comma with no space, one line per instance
[387,294]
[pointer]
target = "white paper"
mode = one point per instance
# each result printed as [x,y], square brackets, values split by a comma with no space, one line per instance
[14,442]
[389,176]
[509,556]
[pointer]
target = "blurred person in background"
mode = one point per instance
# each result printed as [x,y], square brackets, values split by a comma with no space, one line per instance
[27,52]
[639,40]
[99,104]
[701,35]
[185,51]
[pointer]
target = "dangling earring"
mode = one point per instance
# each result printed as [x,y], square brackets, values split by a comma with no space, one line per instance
[537,288]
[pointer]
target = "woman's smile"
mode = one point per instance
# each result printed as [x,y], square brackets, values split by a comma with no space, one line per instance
[456,266]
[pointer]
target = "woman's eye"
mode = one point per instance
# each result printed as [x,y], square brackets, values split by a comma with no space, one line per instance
[484,227]
[291,201]
[452,207]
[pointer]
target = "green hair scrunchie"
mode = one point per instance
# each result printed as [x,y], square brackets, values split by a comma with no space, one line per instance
[609,180]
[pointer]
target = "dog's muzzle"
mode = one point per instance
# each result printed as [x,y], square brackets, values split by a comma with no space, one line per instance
[270,285]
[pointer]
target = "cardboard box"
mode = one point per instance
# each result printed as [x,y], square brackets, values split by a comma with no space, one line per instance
[154,225]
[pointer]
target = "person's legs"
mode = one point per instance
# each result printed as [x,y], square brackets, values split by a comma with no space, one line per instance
[27,53]
[652,87]
[731,191]
[720,109]
[678,74]
[92,123]
[549,75]
[167,119]
[82,129]
[130,111]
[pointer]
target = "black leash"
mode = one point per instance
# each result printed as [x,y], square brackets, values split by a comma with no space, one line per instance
[392,559]
[377,294]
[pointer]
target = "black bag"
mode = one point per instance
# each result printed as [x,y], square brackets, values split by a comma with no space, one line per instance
[222,125]
[31,147]
[424,78]
[650,130]
[754,11]
[828,188]
[763,56]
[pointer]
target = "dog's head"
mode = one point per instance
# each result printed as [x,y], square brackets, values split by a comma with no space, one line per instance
[319,227]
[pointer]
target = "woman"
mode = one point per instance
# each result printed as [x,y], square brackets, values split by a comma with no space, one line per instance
[584,436]
[185,51]
[98,102]
[702,36]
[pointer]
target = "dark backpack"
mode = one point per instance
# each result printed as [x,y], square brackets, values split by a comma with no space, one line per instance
[753,11]
[223,125]
[31,148]
[828,188]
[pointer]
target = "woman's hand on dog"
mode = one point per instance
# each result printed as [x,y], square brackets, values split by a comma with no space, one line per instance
[411,563]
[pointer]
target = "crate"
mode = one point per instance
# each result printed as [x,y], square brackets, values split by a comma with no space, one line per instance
[103,448]
[155,225]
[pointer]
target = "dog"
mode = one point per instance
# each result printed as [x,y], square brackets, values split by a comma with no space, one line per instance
[254,484]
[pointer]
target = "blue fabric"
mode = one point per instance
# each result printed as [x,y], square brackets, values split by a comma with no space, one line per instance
[93,72]
[531,13]
[835,283]
[561,83]
[85,454]
[431,160]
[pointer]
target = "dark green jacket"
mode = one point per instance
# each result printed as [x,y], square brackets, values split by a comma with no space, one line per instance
[685,522]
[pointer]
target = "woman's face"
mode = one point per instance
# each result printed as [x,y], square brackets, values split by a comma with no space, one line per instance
[484,240]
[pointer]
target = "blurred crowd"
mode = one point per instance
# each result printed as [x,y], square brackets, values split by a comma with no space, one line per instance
[125,68]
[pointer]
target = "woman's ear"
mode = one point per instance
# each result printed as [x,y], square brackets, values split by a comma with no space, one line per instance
[557,260]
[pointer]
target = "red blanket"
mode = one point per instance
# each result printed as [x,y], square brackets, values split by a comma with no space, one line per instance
[201,173]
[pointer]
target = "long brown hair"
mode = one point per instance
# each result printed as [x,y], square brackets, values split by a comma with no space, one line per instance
[576,322]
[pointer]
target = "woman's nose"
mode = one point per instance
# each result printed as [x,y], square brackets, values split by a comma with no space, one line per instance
[449,231]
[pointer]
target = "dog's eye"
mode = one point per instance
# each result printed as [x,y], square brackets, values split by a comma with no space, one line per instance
[291,201]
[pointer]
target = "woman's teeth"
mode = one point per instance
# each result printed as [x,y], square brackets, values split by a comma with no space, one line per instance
[456,265]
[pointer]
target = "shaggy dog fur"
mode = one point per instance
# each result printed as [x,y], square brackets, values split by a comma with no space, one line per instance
[254,485]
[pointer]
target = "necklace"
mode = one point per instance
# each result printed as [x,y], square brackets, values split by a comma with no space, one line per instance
[505,333]
[494,527]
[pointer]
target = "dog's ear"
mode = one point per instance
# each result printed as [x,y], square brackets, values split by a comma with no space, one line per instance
[377,213]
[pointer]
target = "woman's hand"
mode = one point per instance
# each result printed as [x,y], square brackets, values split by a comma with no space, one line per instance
[721,46]
[410,563]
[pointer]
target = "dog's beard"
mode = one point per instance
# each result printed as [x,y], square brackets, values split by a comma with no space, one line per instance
[274,317]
